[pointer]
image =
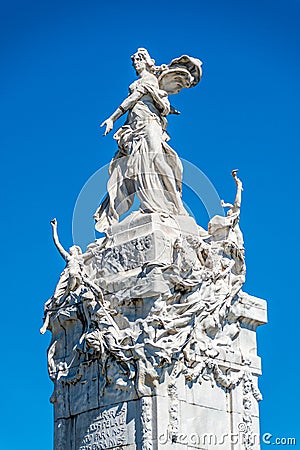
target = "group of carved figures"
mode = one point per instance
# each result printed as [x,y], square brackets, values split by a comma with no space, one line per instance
[194,316]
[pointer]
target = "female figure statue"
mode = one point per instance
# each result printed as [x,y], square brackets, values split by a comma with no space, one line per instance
[70,279]
[145,164]
[227,228]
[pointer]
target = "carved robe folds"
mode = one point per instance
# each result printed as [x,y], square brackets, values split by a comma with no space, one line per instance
[160,346]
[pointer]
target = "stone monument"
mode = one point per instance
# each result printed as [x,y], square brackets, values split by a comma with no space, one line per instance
[153,340]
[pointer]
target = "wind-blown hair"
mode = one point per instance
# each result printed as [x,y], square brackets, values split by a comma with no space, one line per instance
[147,58]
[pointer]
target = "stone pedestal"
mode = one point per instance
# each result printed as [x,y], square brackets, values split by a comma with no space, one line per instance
[157,348]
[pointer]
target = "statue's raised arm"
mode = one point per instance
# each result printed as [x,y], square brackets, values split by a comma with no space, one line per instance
[145,164]
[236,207]
[56,240]
[239,188]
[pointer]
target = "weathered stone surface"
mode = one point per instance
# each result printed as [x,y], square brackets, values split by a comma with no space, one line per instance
[153,340]
[190,388]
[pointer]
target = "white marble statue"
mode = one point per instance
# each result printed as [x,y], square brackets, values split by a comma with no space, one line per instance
[227,227]
[153,315]
[196,283]
[145,164]
[70,278]
[233,213]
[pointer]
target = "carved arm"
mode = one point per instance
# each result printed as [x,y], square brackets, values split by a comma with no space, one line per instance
[238,197]
[239,188]
[57,243]
[126,105]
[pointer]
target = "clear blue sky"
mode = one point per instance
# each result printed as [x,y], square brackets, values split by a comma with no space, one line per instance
[65,66]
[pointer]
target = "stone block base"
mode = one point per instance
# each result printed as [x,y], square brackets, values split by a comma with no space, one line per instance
[178,416]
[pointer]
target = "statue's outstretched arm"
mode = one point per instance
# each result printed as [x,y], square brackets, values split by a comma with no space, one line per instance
[58,245]
[125,106]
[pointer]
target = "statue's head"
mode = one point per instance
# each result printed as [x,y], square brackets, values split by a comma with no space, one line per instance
[142,60]
[75,250]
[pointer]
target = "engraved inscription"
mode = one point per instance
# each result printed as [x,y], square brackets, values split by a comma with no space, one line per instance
[108,430]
